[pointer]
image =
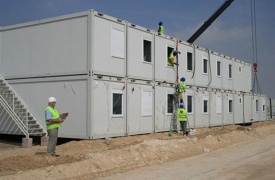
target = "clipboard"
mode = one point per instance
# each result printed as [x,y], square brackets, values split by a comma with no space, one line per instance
[64,115]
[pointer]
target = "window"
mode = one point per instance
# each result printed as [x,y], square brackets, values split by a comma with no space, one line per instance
[117,103]
[170,103]
[205,66]
[240,100]
[230,106]
[257,105]
[147,51]
[218,68]
[189,104]
[189,61]
[117,43]
[240,69]
[230,71]
[205,106]
[169,51]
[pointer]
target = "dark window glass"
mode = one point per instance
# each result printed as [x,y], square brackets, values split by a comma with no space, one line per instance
[189,104]
[147,51]
[170,104]
[205,68]
[117,103]
[189,61]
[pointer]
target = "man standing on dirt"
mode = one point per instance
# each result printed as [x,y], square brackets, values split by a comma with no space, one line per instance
[182,118]
[53,122]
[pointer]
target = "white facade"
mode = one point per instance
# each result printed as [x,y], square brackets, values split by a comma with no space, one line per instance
[113,78]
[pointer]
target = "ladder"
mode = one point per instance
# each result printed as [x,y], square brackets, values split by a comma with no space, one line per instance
[15,117]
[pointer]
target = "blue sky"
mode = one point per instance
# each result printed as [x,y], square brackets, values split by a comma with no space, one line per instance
[230,34]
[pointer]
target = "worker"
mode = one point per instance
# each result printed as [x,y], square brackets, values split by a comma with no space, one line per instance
[182,118]
[161,28]
[53,122]
[171,58]
[181,87]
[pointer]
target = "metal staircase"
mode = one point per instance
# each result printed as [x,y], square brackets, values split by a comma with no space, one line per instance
[13,112]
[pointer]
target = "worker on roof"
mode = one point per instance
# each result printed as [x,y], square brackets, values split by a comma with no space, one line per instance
[182,118]
[171,58]
[161,28]
[53,122]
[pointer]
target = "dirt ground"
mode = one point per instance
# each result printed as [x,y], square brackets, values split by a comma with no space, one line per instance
[87,159]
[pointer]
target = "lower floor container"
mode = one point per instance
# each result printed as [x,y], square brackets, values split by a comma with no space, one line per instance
[102,106]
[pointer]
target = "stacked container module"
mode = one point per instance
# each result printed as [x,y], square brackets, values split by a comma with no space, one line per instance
[113,78]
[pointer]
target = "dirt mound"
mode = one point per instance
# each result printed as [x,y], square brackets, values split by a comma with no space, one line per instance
[91,158]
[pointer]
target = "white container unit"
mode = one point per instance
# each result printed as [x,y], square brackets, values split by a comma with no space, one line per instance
[50,47]
[140,52]
[164,106]
[108,43]
[242,76]
[202,108]
[216,107]
[228,74]
[189,103]
[228,108]
[72,97]
[108,103]
[140,107]
[262,109]
[238,108]
[215,70]
[163,46]
[186,62]
[202,59]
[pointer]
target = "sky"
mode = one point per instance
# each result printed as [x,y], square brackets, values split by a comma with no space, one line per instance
[230,34]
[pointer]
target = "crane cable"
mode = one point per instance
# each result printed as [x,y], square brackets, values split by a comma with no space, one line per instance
[254,47]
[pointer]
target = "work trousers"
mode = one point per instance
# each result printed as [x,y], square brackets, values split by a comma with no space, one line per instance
[53,135]
[183,125]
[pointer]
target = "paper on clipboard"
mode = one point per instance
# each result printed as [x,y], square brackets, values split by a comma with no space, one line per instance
[64,115]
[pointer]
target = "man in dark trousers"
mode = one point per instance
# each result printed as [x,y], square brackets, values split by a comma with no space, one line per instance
[182,118]
[53,122]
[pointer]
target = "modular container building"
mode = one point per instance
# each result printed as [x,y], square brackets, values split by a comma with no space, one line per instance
[113,78]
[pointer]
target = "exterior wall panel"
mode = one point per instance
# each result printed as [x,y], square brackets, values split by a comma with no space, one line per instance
[140,116]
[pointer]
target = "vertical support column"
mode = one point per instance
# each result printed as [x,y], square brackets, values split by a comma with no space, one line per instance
[26,142]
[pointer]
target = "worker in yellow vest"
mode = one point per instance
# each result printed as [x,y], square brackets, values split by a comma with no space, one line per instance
[53,122]
[181,88]
[171,58]
[161,28]
[182,118]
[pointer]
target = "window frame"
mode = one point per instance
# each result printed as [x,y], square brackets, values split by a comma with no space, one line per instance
[168,48]
[143,49]
[169,103]
[189,60]
[192,104]
[230,71]
[117,91]
[204,59]
[218,68]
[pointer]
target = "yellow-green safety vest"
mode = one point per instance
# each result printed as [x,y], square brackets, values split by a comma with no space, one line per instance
[170,59]
[182,114]
[55,115]
[181,87]
[161,29]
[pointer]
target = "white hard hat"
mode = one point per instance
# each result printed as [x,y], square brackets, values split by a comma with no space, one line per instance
[52,99]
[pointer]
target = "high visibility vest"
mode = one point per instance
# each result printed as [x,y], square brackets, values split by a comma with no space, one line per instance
[161,29]
[55,115]
[182,114]
[181,87]
[170,61]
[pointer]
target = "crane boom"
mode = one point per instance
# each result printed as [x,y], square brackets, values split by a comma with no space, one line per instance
[207,23]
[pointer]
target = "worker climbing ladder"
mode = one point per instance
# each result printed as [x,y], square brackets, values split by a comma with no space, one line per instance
[178,97]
